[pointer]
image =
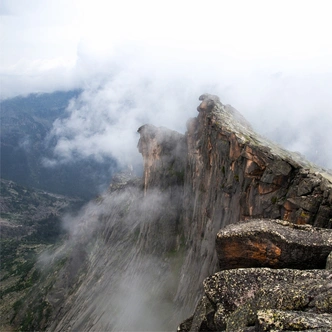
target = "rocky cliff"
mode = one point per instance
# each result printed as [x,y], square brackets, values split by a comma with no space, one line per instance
[232,174]
[137,257]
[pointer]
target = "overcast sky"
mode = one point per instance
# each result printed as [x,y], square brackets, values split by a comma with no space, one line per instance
[148,61]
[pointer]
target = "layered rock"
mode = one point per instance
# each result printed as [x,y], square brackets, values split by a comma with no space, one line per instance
[227,157]
[219,173]
[273,243]
[243,297]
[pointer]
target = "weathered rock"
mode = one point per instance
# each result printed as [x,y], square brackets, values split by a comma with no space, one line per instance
[234,174]
[164,152]
[329,261]
[273,243]
[237,297]
[202,320]
[270,319]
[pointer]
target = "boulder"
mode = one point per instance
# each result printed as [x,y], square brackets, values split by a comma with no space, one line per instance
[239,300]
[270,319]
[273,243]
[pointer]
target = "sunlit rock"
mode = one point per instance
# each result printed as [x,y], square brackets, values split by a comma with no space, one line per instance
[273,243]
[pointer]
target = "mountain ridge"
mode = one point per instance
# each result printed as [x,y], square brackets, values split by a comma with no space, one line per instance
[139,254]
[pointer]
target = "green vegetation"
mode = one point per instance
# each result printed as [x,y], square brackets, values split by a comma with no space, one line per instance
[31,224]
[304,214]
[18,261]
[31,309]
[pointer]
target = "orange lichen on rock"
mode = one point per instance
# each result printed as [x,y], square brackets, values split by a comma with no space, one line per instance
[239,252]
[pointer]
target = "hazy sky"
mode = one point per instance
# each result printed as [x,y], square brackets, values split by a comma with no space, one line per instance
[148,61]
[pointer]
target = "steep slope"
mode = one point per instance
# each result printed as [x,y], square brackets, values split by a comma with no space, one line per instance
[122,270]
[234,174]
[136,258]
[132,248]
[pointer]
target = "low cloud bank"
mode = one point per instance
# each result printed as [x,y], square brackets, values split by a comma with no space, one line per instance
[149,64]
[290,108]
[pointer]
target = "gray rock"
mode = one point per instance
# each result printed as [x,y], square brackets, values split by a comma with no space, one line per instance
[270,319]
[329,261]
[238,297]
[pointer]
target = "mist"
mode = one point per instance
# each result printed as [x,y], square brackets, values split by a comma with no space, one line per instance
[140,62]
[149,62]
[123,285]
[292,109]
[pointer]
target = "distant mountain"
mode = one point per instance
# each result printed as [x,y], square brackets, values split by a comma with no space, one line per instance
[25,124]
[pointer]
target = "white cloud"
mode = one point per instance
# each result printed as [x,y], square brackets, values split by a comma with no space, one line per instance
[149,61]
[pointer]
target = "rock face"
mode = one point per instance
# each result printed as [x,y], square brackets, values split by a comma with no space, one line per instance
[273,243]
[164,152]
[153,243]
[234,174]
[290,320]
[249,176]
[245,300]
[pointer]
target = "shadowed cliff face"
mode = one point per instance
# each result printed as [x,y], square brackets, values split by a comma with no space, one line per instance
[142,264]
[164,153]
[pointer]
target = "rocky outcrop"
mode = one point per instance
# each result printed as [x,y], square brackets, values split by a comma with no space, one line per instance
[232,175]
[244,299]
[251,177]
[273,243]
[268,320]
[219,173]
[164,153]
